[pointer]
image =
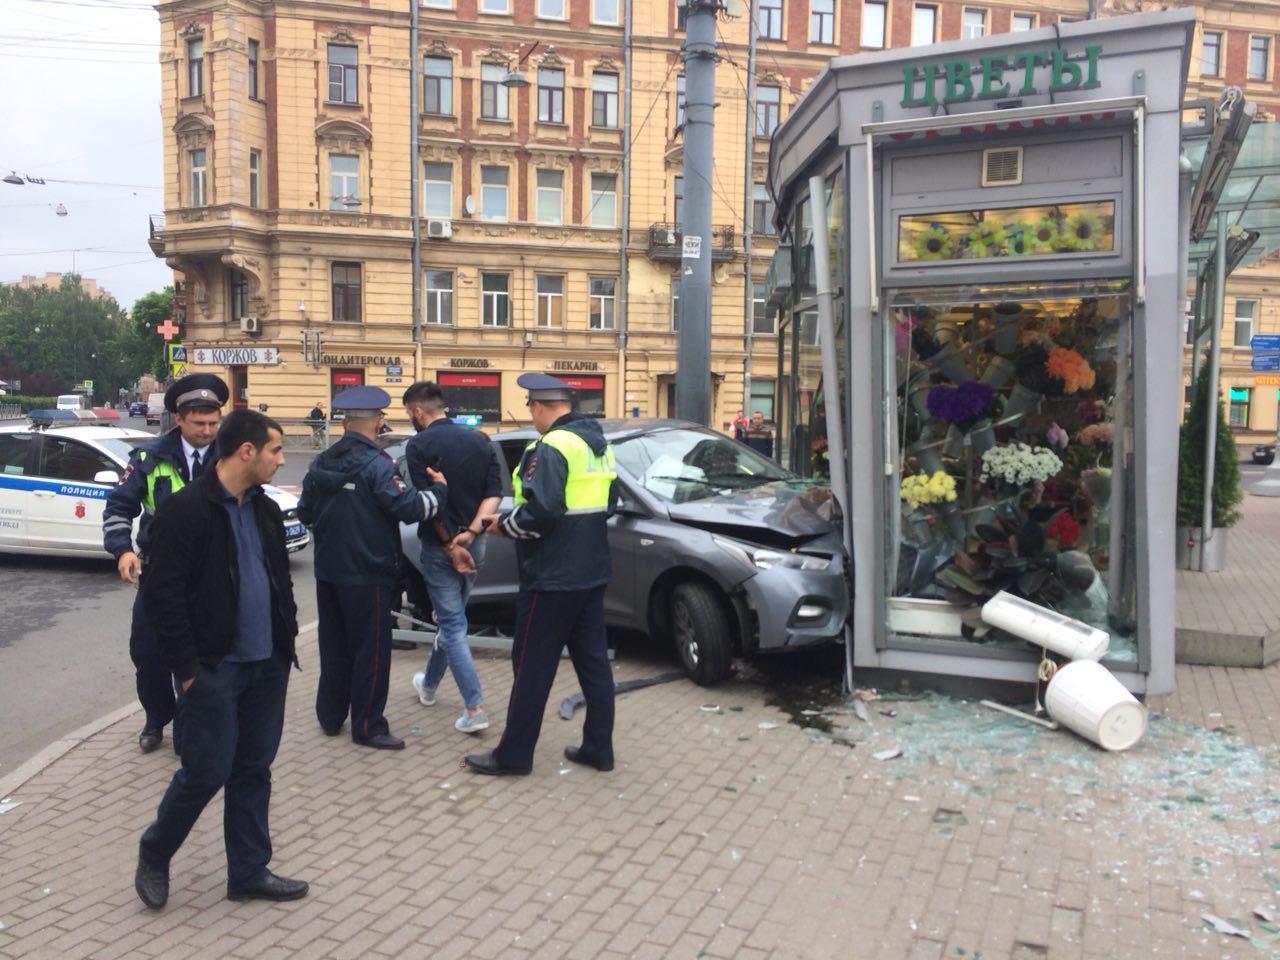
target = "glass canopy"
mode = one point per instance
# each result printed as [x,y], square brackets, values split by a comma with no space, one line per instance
[1251,194]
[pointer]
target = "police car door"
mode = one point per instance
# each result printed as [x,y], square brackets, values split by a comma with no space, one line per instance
[17,462]
[65,509]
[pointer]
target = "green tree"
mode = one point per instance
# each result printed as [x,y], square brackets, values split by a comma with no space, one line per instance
[149,311]
[1227,494]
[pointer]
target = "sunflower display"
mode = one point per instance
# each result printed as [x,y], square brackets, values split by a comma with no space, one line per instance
[1017,242]
[1043,235]
[933,244]
[1081,231]
[986,239]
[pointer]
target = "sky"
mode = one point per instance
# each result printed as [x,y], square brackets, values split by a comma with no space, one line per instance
[82,103]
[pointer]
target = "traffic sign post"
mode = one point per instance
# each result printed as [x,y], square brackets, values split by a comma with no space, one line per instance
[1265,342]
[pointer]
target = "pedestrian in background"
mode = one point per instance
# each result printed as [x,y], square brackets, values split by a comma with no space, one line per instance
[317,420]
[452,549]
[758,435]
[218,594]
[739,426]
[564,493]
[354,500]
[157,469]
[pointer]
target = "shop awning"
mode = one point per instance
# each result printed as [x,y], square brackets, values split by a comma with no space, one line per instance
[1251,195]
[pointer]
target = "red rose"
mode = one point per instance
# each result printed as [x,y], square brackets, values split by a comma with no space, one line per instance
[1065,530]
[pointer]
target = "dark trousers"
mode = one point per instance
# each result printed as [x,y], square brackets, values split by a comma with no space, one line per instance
[355,656]
[232,717]
[547,621]
[154,681]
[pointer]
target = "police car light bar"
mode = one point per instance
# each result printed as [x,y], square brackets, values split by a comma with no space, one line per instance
[62,418]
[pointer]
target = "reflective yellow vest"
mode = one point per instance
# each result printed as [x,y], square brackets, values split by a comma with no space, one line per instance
[163,468]
[586,489]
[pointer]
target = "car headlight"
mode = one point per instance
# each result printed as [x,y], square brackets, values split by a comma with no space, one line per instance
[763,558]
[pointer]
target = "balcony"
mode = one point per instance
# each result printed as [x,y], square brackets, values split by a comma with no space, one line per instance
[155,235]
[666,243]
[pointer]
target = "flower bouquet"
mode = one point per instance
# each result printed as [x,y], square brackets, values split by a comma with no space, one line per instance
[1071,369]
[924,490]
[1017,465]
[962,407]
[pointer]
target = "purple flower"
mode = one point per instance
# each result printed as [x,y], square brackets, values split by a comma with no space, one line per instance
[963,405]
[1057,437]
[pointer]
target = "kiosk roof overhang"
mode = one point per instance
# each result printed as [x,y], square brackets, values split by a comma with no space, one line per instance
[1251,195]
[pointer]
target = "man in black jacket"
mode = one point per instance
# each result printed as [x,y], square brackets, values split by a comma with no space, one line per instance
[354,500]
[219,596]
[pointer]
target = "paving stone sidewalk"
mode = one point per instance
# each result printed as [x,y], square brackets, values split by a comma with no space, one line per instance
[726,832]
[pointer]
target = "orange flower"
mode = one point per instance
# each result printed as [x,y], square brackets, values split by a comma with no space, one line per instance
[1072,369]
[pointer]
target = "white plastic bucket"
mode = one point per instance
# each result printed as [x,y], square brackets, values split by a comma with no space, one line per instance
[1083,696]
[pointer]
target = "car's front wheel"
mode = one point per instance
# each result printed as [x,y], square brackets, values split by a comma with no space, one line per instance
[703,638]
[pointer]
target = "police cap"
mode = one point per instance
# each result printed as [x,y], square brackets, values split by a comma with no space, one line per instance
[196,390]
[542,386]
[362,399]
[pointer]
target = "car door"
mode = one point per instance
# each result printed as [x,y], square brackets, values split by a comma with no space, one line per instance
[17,463]
[66,504]
[499,579]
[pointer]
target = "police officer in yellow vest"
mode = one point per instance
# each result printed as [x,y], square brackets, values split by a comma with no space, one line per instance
[563,497]
[158,469]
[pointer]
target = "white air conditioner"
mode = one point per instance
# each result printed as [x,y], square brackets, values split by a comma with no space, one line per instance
[440,229]
[250,325]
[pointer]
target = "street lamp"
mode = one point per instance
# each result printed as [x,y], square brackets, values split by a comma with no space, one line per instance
[14,178]
[60,209]
[515,80]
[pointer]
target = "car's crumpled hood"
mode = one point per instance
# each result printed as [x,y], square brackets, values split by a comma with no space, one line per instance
[787,513]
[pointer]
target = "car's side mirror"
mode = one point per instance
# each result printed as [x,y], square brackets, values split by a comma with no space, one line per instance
[106,476]
[627,506]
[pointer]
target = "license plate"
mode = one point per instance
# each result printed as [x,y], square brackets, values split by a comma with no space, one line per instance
[294,530]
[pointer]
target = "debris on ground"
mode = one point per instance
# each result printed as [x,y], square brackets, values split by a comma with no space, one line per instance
[1267,914]
[570,704]
[891,754]
[8,803]
[1225,927]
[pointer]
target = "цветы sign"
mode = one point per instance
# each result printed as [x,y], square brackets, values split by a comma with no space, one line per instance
[997,76]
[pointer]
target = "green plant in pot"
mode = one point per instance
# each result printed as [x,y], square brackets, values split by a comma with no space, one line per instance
[1227,494]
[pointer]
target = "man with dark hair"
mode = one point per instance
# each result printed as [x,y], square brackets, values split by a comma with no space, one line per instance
[219,596]
[355,501]
[452,551]
[158,469]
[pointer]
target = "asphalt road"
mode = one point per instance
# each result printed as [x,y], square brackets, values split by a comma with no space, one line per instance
[64,639]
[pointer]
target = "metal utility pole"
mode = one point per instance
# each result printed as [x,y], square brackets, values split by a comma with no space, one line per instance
[693,341]
[415,168]
[748,209]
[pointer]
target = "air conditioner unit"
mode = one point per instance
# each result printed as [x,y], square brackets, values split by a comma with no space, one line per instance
[440,229]
[671,238]
[250,325]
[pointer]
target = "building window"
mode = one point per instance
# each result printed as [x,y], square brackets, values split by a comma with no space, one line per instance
[680,102]
[768,105]
[551,9]
[604,99]
[550,199]
[924,25]
[346,293]
[437,85]
[550,300]
[605,12]
[1240,397]
[437,190]
[472,395]
[762,318]
[439,300]
[195,68]
[822,21]
[1023,22]
[253,69]
[678,192]
[550,95]
[495,292]
[342,74]
[762,392]
[604,200]
[974,25]
[237,294]
[493,193]
[770,19]
[1246,313]
[255,178]
[344,182]
[1259,57]
[199,179]
[761,209]
[873,20]
[495,6]
[675,307]
[493,95]
[1210,54]
[603,305]
[682,16]
[588,395]
[438,4]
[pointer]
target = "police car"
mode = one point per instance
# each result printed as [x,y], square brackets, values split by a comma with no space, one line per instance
[54,481]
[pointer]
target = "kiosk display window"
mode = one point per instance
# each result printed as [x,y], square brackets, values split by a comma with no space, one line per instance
[589,398]
[473,395]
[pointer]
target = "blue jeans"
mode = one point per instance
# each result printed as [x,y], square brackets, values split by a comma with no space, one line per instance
[449,592]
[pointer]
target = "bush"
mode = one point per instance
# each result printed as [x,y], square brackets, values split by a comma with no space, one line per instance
[30,403]
[1227,494]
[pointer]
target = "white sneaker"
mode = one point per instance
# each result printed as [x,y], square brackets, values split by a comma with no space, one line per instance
[426,695]
[471,722]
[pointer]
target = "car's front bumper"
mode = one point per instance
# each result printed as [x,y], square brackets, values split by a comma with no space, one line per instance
[296,541]
[794,608]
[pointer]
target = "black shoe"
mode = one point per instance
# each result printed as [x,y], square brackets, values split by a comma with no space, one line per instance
[269,887]
[576,755]
[332,731]
[381,741]
[486,764]
[152,884]
[150,738]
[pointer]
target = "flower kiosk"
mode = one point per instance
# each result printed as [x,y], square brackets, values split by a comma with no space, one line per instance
[1000,225]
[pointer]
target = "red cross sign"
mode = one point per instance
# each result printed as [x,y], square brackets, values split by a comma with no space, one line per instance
[167,329]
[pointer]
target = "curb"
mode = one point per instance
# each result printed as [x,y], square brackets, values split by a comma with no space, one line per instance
[14,781]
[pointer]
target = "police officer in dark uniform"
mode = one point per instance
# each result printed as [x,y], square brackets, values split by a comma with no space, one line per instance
[158,469]
[354,500]
[564,493]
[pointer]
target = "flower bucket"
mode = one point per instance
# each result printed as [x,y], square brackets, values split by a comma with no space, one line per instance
[950,361]
[954,444]
[984,514]
[998,372]
[1022,401]
[1084,697]
[928,458]
[982,437]
[955,524]
[918,398]
[1006,338]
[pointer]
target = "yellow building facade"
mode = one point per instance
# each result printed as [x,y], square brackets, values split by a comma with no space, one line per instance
[548,213]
